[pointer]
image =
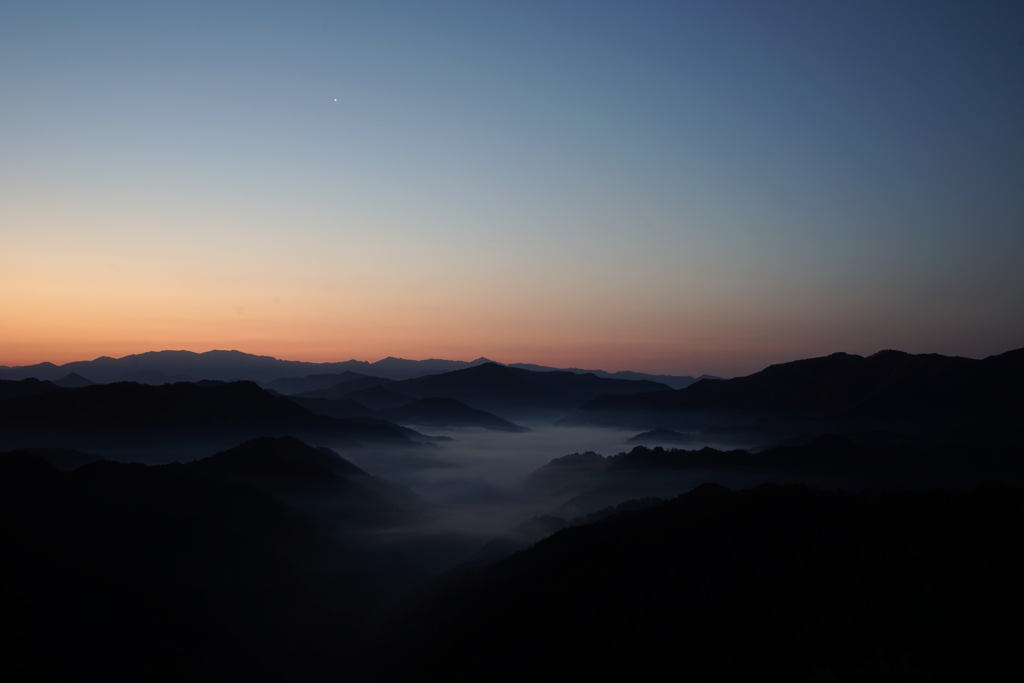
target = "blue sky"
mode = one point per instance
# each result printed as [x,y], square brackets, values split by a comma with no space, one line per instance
[687,186]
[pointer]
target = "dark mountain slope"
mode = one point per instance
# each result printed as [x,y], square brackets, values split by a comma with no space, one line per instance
[439,413]
[290,386]
[401,368]
[827,460]
[355,386]
[887,387]
[316,480]
[126,415]
[490,387]
[42,371]
[775,583]
[180,572]
[26,387]
[156,367]
[514,391]
[673,381]
[448,412]
[159,367]
[73,380]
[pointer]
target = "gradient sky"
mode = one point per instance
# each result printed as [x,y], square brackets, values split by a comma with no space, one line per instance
[664,186]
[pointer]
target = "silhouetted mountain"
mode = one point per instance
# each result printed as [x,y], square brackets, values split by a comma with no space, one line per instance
[73,380]
[252,563]
[583,483]
[882,390]
[448,412]
[402,409]
[774,583]
[672,381]
[284,376]
[160,367]
[42,371]
[290,386]
[400,368]
[378,391]
[521,536]
[137,416]
[527,533]
[492,387]
[588,481]
[513,391]
[317,480]
[26,387]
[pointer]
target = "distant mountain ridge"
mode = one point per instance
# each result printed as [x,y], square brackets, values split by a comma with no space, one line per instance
[160,367]
[887,387]
[674,381]
[492,387]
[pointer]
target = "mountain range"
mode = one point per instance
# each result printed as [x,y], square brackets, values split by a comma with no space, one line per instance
[882,390]
[159,367]
[490,386]
[589,481]
[357,410]
[175,417]
[274,559]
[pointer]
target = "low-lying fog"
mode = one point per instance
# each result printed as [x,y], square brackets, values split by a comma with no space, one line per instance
[491,458]
[478,477]
[474,483]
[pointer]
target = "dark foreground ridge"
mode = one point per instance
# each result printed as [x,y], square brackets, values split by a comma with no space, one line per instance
[249,563]
[773,583]
[271,561]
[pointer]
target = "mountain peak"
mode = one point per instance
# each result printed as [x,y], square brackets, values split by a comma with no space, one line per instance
[492,368]
[73,380]
[282,456]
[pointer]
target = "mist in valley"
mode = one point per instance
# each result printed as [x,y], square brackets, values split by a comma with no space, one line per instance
[476,486]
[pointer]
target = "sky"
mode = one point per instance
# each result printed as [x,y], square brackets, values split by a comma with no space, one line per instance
[681,187]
